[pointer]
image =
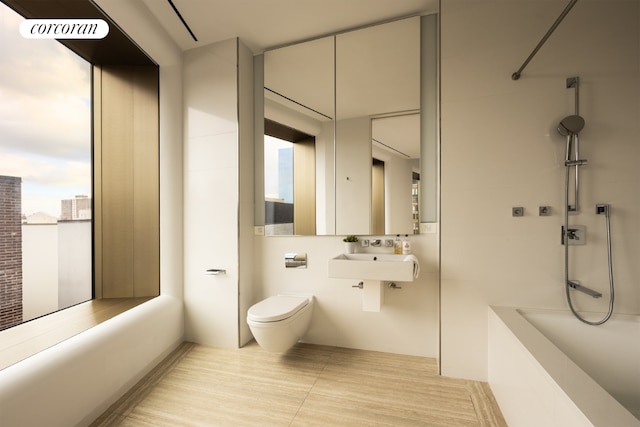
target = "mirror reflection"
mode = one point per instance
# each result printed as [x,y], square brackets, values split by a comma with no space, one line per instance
[342,154]
[377,76]
[299,138]
[395,178]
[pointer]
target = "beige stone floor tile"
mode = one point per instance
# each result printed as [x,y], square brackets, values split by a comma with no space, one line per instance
[309,385]
[332,411]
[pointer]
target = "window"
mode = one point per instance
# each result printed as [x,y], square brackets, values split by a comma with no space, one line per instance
[278,186]
[112,88]
[45,175]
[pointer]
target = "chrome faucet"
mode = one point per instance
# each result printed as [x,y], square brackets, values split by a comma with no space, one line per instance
[583,289]
[571,234]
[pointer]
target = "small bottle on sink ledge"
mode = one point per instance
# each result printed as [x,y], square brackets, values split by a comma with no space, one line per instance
[397,245]
[406,245]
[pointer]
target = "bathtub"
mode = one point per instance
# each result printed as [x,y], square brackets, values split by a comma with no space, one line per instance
[547,368]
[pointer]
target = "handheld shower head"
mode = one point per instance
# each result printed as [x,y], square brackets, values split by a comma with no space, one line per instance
[570,125]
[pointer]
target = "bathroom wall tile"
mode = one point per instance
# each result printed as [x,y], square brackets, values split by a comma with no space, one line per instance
[210,94]
[208,189]
[207,300]
[500,148]
[246,149]
[211,194]
[171,180]
[211,152]
[470,313]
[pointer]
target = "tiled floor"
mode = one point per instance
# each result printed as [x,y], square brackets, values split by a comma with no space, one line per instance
[308,386]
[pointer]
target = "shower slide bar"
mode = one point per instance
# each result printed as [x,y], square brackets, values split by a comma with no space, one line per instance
[570,127]
[516,75]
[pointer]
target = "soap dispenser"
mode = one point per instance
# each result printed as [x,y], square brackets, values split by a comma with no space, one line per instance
[397,245]
[406,245]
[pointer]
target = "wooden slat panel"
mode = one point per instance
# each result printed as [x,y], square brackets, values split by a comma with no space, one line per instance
[117,176]
[377,198]
[129,182]
[97,181]
[304,188]
[146,213]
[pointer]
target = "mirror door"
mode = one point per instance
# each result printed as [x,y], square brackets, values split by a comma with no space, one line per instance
[357,98]
[299,109]
[377,127]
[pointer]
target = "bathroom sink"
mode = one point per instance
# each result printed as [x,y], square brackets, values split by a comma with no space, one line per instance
[372,267]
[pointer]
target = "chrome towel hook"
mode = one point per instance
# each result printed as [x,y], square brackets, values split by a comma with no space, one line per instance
[215,271]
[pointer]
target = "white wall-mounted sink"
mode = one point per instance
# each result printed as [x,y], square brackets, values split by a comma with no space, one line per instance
[388,267]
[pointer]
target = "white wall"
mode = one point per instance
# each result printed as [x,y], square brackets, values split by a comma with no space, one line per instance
[56,267]
[39,270]
[75,261]
[353,176]
[398,183]
[246,187]
[325,189]
[500,149]
[407,323]
[73,382]
[213,202]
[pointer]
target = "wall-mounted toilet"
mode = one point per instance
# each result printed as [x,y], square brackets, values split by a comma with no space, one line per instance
[278,322]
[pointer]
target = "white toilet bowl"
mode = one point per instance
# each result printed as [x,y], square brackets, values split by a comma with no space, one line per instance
[278,322]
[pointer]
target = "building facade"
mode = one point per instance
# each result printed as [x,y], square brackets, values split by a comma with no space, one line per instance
[78,208]
[11,248]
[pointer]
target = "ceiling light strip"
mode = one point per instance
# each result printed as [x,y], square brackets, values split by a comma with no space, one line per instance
[388,147]
[175,9]
[297,103]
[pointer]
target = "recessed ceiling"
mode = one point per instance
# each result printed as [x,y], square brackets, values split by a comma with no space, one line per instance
[264,24]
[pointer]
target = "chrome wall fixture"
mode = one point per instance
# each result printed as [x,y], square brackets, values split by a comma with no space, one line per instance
[516,75]
[570,127]
[295,260]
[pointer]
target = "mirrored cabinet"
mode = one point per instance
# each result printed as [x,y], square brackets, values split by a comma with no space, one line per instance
[299,138]
[344,132]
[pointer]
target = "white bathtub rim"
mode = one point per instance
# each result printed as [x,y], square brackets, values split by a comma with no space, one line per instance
[579,387]
[588,315]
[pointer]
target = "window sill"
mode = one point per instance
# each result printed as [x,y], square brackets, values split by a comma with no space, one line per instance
[25,340]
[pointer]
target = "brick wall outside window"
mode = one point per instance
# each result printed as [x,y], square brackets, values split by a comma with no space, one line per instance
[10,251]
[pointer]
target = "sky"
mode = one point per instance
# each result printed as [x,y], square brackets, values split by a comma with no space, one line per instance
[45,118]
[271,166]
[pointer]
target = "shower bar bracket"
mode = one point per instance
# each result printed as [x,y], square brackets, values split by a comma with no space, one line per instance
[574,82]
[516,75]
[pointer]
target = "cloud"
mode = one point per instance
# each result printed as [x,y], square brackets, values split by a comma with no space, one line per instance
[44,97]
[45,115]
[47,181]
